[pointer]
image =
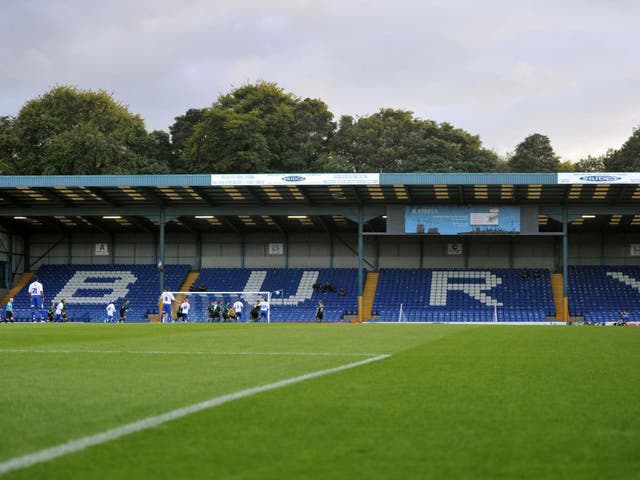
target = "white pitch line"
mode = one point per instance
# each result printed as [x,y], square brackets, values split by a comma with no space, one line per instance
[169,352]
[79,444]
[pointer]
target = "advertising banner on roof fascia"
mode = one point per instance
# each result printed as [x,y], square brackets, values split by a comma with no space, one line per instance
[595,178]
[249,179]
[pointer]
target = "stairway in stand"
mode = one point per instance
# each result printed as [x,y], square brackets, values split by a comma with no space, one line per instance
[26,277]
[557,288]
[368,294]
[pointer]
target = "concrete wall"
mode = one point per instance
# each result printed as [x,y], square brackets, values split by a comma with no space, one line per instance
[11,257]
[600,249]
[321,250]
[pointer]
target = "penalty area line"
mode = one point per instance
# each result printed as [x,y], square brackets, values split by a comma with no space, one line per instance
[83,443]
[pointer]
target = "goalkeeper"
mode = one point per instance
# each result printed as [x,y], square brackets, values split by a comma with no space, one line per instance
[319,311]
[255,312]
[211,311]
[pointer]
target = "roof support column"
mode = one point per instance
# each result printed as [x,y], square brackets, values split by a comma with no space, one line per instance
[360,263]
[330,250]
[9,276]
[243,250]
[198,259]
[69,249]
[565,260]
[286,250]
[112,240]
[161,225]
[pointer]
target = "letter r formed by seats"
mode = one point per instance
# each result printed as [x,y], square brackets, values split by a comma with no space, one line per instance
[466,282]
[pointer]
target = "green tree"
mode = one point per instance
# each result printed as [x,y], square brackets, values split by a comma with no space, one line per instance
[159,152]
[181,131]
[259,128]
[8,146]
[534,154]
[627,157]
[394,141]
[68,131]
[566,166]
[590,164]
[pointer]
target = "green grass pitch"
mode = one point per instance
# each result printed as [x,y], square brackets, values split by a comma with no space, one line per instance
[456,402]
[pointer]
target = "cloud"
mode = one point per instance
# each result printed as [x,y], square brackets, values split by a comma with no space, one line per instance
[499,69]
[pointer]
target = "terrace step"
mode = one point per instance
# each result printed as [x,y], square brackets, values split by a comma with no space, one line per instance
[557,288]
[26,277]
[368,294]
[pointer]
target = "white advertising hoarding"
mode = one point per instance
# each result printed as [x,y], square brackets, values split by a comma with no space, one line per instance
[249,179]
[594,178]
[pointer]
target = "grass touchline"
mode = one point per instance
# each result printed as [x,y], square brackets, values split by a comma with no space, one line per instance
[150,422]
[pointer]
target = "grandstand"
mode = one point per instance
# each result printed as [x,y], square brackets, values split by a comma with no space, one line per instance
[401,234]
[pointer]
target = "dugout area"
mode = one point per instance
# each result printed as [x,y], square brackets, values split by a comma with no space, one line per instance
[326,221]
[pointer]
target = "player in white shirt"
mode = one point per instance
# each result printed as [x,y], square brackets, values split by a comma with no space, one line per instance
[36,292]
[237,307]
[111,311]
[59,309]
[167,298]
[185,310]
[264,310]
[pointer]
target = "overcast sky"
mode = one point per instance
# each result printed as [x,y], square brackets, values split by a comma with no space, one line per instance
[568,69]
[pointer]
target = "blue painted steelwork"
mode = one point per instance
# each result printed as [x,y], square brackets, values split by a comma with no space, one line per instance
[196,180]
[468,179]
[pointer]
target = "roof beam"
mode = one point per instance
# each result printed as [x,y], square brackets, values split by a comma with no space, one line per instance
[280,228]
[151,212]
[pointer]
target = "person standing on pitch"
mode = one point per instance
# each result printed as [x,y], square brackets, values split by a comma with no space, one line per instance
[185,310]
[167,299]
[237,307]
[36,292]
[111,311]
[51,313]
[123,311]
[8,311]
[59,309]
[264,310]
[319,311]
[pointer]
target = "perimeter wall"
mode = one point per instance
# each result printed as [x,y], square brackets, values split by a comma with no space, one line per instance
[335,251]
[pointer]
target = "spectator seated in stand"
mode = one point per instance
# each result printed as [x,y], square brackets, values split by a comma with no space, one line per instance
[202,288]
[525,274]
[328,287]
[317,287]
[192,288]
[536,274]
[342,292]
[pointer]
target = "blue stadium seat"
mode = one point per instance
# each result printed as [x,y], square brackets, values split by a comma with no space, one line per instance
[84,291]
[297,300]
[456,295]
[599,293]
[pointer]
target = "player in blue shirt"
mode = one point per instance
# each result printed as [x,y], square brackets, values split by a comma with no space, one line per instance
[8,311]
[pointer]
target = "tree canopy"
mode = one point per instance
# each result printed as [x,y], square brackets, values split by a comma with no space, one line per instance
[394,141]
[534,154]
[70,131]
[627,158]
[259,127]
